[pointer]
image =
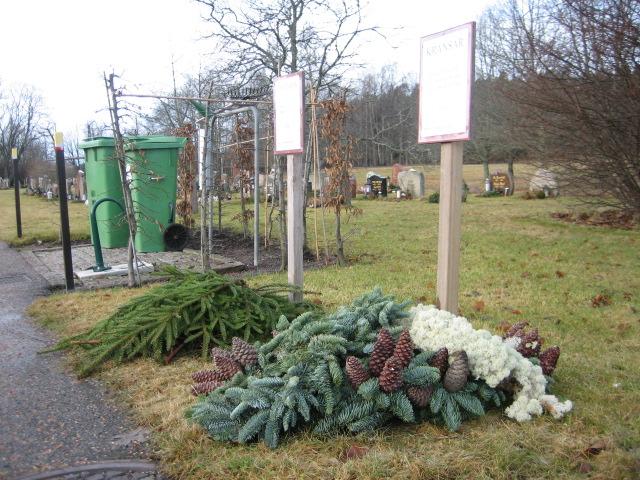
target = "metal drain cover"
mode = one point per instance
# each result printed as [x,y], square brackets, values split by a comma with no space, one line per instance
[112,470]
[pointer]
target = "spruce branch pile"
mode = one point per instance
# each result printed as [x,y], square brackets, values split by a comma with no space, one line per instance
[192,310]
[354,370]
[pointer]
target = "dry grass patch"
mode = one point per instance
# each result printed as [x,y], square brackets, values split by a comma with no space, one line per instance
[511,252]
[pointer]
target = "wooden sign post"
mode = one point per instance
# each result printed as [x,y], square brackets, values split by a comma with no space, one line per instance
[446,79]
[288,108]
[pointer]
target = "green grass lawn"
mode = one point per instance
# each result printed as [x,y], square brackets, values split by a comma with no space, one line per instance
[517,264]
[40,219]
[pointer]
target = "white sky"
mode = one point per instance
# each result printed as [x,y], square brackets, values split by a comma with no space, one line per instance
[63,47]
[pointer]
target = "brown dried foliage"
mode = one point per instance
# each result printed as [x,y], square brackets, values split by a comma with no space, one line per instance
[187,171]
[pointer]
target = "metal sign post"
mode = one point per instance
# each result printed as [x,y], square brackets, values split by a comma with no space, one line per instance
[288,108]
[64,211]
[446,79]
[16,189]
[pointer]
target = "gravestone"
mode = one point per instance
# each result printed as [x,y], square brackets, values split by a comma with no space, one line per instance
[378,185]
[395,170]
[502,183]
[545,181]
[354,186]
[320,181]
[81,187]
[411,182]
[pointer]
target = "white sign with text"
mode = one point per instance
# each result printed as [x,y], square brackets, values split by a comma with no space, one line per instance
[288,113]
[446,78]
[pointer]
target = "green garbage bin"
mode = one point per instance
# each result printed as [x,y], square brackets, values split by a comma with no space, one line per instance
[103,180]
[153,164]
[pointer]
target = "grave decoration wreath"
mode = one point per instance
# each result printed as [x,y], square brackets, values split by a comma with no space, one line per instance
[359,369]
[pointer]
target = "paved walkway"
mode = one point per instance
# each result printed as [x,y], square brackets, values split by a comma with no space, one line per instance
[49,263]
[48,418]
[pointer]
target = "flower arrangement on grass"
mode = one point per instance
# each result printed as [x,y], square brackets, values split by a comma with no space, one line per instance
[359,369]
[491,358]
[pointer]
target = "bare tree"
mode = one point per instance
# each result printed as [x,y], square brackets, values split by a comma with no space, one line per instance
[574,73]
[264,38]
[383,119]
[21,116]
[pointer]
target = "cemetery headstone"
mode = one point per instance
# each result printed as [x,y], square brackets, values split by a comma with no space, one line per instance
[378,185]
[354,186]
[395,170]
[321,181]
[545,181]
[81,187]
[411,182]
[502,183]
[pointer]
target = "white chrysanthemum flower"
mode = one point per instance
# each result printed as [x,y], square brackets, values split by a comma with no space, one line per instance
[490,359]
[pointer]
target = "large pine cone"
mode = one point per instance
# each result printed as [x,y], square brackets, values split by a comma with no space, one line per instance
[530,343]
[549,359]
[382,350]
[207,376]
[356,372]
[420,396]
[440,360]
[243,353]
[226,366]
[515,329]
[219,351]
[404,348]
[203,388]
[391,376]
[456,376]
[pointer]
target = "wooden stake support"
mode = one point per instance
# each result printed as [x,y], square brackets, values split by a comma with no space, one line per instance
[450,224]
[295,226]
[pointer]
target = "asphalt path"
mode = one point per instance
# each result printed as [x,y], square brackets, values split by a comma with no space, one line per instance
[48,418]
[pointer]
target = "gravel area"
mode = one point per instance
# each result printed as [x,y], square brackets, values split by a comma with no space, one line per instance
[49,418]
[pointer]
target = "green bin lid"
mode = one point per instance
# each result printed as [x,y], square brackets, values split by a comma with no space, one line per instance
[154,142]
[95,142]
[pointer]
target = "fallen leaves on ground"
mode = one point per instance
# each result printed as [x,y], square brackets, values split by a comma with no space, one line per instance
[601,300]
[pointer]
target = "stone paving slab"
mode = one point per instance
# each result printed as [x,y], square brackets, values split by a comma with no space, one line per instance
[49,263]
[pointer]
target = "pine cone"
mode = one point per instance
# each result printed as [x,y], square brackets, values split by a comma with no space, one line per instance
[227,367]
[382,350]
[203,388]
[207,376]
[404,348]
[456,376]
[244,353]
[391,376]
[356,372]
[219,351]
[440,360]
[530,343]
[549,359]
[420,396]
[515,328]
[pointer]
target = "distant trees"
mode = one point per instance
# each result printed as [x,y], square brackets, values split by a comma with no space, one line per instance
[573,71]
[21,119]
[383,121]
[261,39]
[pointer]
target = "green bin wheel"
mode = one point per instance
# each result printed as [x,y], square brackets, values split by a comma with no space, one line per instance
[176,237]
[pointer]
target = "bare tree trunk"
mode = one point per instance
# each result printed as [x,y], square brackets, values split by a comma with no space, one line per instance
[132,259]
[204,199]
[339,243]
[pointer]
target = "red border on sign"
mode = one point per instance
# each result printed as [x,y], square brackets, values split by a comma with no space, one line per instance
[456,136]
[275,131]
